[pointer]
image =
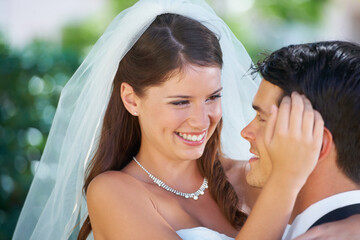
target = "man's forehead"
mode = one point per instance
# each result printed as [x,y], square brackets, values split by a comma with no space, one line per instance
[267,95]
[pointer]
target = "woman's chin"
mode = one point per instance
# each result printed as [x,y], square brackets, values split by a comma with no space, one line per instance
[195,154]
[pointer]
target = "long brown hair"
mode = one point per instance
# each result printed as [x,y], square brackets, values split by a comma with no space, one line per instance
[170,43]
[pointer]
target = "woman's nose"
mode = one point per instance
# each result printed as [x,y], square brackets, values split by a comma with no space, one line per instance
[200,117]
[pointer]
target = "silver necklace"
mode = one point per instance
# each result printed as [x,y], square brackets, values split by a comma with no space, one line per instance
[194,195]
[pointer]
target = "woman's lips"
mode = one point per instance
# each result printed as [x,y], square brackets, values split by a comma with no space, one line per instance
[192,139]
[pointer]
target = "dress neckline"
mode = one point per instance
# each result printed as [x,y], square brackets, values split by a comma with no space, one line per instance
[206,229]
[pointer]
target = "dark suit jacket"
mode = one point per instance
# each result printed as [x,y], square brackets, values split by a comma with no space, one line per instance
[338,214]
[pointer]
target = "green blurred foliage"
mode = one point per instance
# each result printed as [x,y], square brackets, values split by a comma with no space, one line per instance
[307,11]
[116,6]
[263,27]
[82,35]
[32,79]
[77,37]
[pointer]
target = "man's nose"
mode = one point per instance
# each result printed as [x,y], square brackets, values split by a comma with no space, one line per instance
[248,132]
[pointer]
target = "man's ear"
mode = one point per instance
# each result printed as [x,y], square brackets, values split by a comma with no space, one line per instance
[129,98]
[327,144]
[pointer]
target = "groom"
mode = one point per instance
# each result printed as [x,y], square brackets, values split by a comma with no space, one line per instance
[328,74]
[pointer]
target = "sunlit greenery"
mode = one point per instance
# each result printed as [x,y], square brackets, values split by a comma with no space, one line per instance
[31,81]
[292,10]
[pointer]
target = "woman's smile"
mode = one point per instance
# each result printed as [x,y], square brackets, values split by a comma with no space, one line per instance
[192,138]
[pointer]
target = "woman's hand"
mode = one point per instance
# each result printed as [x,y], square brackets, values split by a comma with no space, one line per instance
[347,229]
[293,138]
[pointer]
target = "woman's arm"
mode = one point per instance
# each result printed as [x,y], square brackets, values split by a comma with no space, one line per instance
[293,137]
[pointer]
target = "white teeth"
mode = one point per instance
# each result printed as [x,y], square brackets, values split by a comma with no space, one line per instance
[193,138]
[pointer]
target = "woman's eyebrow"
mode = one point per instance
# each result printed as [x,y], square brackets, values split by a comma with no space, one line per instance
[186,97]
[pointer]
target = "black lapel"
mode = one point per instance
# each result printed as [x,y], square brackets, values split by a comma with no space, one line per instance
[338,214]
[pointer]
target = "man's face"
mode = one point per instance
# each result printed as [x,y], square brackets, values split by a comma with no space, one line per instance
[260,164]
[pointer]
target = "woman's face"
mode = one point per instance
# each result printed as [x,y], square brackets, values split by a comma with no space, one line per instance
[178,117]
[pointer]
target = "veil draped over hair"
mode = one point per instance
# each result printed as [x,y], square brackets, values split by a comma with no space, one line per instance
[55,202]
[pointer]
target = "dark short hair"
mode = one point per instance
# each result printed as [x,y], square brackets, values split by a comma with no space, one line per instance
[328,73]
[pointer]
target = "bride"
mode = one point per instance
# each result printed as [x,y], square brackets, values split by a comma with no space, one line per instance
[138,129]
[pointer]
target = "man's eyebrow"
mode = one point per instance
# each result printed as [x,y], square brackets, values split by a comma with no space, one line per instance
[259,109]
[186,97]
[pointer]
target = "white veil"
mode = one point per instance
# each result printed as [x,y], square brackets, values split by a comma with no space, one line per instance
[55,201]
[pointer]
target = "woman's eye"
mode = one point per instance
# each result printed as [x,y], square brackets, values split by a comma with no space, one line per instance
[180,103]
[214,97]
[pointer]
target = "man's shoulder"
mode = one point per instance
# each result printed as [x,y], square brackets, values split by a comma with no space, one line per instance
[338,214]
[339,205]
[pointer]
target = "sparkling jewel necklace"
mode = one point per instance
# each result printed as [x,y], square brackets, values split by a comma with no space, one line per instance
[194,195]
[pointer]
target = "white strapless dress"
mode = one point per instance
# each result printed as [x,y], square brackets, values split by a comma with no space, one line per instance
[201,233]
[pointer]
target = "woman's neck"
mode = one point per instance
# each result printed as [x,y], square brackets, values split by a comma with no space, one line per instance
[181,174]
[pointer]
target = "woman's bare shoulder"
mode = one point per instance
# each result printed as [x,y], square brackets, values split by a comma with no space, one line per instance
[117,190]
[111,181]
[236,171]
[232,166]
[118,204]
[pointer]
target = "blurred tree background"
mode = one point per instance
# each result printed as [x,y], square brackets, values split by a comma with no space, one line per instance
[33,76]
